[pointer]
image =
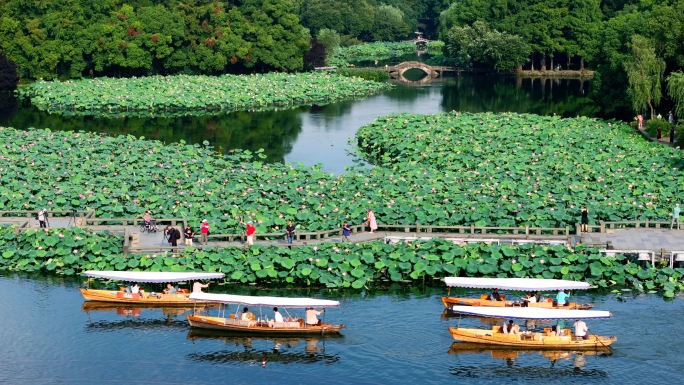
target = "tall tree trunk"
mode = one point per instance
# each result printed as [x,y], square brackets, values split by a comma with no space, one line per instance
[532,62]
[552,67]
[542,65]
[519,69]
[567,65]
[581,64]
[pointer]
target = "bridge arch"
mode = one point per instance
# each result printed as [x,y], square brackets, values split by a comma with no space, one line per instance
[401,68]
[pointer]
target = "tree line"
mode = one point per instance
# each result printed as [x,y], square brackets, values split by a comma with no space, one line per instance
[634,46]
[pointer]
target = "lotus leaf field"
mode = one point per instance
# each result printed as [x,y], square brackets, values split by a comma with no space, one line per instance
[71,251]
[195,94]
[444,169]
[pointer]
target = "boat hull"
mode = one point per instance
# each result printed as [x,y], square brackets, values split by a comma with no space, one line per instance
[260,328]
[158,299]
[536,341]
[449,302]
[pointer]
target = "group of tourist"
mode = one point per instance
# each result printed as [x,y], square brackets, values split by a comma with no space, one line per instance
[581,329]
[170,288]
[173,235]
[311,318]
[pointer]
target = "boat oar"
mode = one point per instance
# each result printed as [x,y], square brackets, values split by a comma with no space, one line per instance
[599,340]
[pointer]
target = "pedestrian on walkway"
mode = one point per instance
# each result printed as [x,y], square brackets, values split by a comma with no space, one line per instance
[251,230]
[42,218]
[584,219]
[346,232]
[672,135]
[371,221]
[670,118]
[675,216]
[290,232]
[204,232]
[640,121]
[189,234]
[172,235]
[660,133]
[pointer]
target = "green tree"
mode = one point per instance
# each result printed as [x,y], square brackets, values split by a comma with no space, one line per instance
[388,24]
[645,72]
[675,88]
[330,39]
[485,47]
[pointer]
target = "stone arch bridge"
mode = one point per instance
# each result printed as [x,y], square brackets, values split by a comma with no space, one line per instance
[397,71]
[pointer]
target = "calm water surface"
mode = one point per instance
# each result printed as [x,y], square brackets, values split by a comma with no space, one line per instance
[320,134]
[394,337]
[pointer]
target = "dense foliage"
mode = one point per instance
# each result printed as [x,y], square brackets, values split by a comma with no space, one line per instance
[72,251]
[484,47]
[47,39]
[205,94]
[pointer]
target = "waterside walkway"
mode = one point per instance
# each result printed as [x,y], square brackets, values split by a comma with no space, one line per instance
[633,237]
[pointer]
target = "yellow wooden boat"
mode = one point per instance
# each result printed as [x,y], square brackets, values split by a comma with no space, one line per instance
[255,326]
[144,297]
[518,284]
[546,340]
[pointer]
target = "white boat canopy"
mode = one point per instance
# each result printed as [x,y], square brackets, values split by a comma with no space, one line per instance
[526,284]
[530,313]
[264,301]
[154,277]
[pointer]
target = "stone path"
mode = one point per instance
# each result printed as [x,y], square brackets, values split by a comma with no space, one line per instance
[639,239]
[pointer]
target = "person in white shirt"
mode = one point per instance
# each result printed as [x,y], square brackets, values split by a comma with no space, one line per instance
[277,317]
[311,316]
[246,315]
[511,328]
[581,329]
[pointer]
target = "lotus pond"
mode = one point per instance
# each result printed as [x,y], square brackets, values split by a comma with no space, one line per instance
[396,335]
[199,94]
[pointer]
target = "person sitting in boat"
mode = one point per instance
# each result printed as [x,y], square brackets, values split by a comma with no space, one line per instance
[277,317]
[198,286]
[246,315]
[511,328]
[495,296]
[562,298]
[559,328]
[311,316]
[529,298]
[581,330]
[170,289]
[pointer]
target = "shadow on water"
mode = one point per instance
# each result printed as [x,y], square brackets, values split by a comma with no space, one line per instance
[263,350]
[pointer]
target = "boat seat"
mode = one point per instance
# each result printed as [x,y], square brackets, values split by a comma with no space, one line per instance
[289,325]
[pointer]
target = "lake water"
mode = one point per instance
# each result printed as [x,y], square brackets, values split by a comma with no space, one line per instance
[393,336]
[320,134]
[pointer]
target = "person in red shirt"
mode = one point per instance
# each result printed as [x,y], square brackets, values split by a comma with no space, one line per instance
[204,230]
[250,232]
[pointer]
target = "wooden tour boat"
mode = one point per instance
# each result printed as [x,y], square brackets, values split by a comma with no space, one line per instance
[144,298]
[260,326]
[546,340]
[517,284]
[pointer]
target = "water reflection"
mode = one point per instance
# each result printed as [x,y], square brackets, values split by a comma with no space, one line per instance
[134,317]
[264,350]
[554,363]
